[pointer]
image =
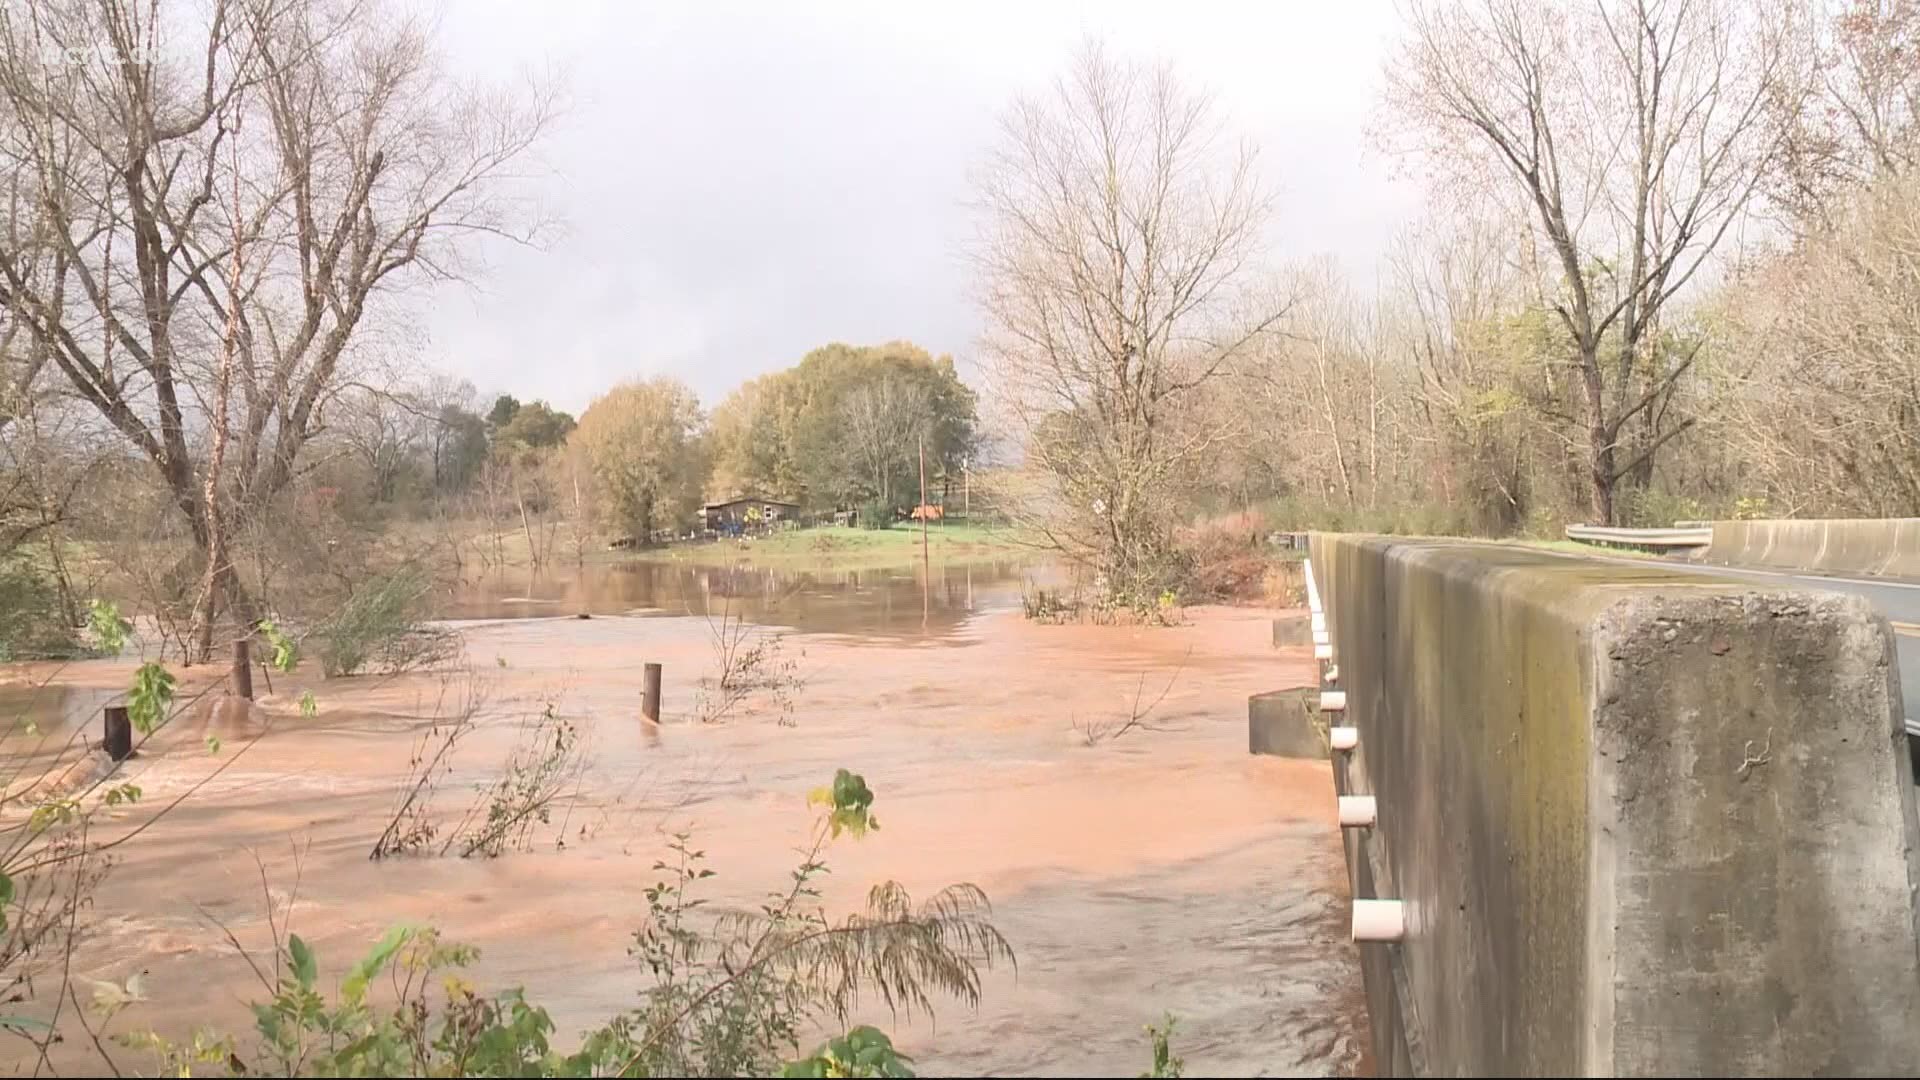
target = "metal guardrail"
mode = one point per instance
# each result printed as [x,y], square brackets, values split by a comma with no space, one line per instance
[1693,537]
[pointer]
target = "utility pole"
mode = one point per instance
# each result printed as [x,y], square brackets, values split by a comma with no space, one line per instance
[966,487]
[926,553]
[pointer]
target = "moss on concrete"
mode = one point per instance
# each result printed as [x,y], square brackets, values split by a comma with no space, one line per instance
[1536,729]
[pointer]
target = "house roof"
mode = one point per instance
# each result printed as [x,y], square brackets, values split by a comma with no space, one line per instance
[748,499]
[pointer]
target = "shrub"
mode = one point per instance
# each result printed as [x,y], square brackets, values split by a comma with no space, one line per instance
[1048,605]
[877,514]
[1657,509]
[1226,559]
[32,623]
[381,627]
[1165,1064]
[1298,514]
[754,669]
[543,768]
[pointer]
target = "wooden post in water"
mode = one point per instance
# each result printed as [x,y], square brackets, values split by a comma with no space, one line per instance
[243,669]
[119,733]
[650,697]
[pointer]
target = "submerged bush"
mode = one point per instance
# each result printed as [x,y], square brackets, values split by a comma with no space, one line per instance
[32,623]
[1047,605]
[382,626]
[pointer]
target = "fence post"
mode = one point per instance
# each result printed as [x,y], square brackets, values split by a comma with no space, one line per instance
[650,698]
[119,733]
[243,668]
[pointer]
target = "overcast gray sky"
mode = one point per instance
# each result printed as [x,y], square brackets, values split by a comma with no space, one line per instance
[740,182]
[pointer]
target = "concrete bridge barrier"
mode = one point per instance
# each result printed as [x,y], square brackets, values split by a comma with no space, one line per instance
[1286,723]
[1873,546]
[1640,822]
[1290,630]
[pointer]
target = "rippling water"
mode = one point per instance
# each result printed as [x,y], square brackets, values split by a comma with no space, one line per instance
[1165,871]
[900,601]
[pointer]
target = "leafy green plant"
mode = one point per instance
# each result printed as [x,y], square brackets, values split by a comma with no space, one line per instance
[877,514]
[151,694]
[122,793]
[864,1051]
[106,626]
[732,1000]
[300,1031]
[849,804]
[286,651]
[1165,1064]
[57,810]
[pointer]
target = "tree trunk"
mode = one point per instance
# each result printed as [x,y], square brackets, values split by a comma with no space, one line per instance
[69,604]
[1599,440]
[533,547]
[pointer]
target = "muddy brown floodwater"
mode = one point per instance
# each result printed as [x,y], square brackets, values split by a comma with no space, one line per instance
[1163,871]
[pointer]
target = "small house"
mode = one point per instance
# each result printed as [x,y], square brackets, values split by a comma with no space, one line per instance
[746,514]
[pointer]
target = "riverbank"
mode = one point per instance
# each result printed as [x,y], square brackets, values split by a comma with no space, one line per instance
[848,546]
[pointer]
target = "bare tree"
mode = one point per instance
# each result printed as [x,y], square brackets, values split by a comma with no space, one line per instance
[1118,233]
[219,565]
[319,138]
[1479,407]
[1635,133]
[1823,405]
[883,422]
[571,475]
[1859,123]
[387,430]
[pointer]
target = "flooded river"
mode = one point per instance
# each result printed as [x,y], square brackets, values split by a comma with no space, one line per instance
[1164,870]
[888,601]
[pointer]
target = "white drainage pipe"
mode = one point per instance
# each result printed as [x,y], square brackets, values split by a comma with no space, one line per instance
[1319,622]
[1358,811]
[1320,638]
[1333,701]
[1379,920]
[1344,738]
[1322,651]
